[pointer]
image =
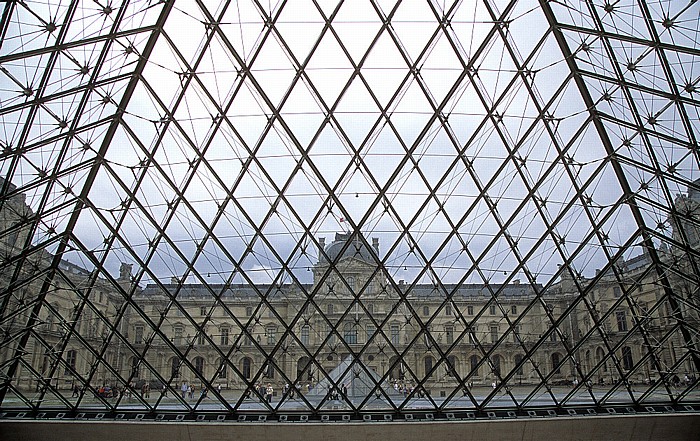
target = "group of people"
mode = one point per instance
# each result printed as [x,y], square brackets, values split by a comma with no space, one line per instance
[406,389]
[295,389]
[265,392]
[189,391]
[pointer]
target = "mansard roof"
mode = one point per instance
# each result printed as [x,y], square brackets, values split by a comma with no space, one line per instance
[285,291]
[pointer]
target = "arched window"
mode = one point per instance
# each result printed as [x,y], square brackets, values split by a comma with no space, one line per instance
[588,360]
[474,365]
[428,362]
[452,365]
[517,359]
[245,368]
[600,355]
[269,371]
[556,363]
[304,368]
[496,360]
[223,369]
[397,371]
[174,367]
[135,367]
[199,365]
[627,362]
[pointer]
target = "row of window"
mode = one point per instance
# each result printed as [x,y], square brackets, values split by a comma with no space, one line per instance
[350,335]
[429,363]
[222,372]
[331,309]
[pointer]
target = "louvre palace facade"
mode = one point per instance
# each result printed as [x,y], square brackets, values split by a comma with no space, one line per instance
[438,338]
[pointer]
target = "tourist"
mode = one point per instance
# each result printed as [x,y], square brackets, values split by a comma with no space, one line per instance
[268,393]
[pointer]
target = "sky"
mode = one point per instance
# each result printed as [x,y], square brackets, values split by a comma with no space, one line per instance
[291,119]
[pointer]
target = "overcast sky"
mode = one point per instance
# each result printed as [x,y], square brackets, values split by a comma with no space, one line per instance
[237,109]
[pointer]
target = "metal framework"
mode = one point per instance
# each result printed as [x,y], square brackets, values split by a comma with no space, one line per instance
[171,171]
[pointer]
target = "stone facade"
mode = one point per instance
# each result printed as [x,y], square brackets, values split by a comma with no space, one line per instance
[448,336]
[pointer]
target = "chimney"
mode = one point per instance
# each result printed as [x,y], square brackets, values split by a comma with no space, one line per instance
[125,271]
[321,247]
[375,245]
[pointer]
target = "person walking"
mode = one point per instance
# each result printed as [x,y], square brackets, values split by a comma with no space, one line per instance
[268,393]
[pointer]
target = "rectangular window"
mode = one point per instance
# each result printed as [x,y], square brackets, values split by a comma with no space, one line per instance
[627,361]
[370,329]
[621,320]
[492,309]
[449,335]
[305,335]
[494,333]
[71,357]
[470,310]
[516,332]
[271,335]
[394,330]
[617,292]
[202,310]
[644,309]
[201,339]
[513,310]
[331,333]
[177,335]
[351,284]
[350,334]
[448,309]
[138,335]
[224,336]
[426,311]
[248,311]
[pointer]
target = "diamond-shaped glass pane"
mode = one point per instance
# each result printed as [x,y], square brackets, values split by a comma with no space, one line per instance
[348,207]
